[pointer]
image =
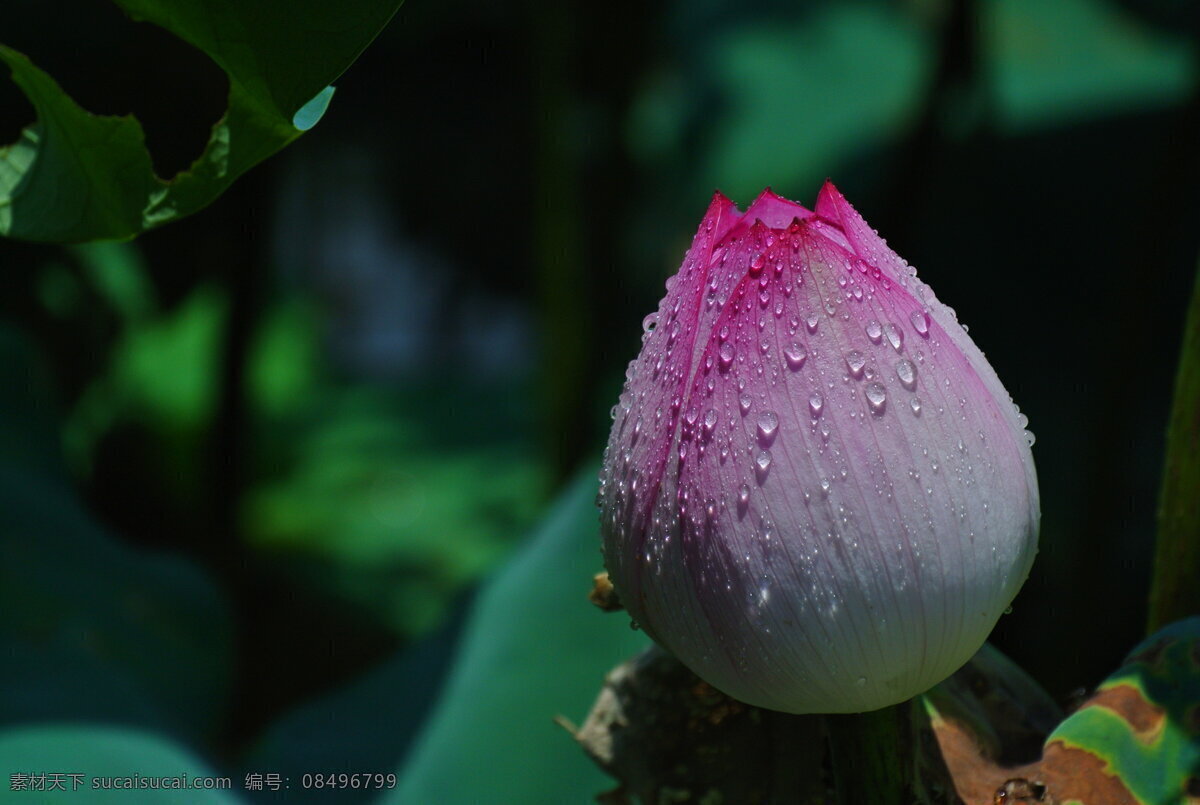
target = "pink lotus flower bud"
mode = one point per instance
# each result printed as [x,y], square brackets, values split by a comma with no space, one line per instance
[816,493]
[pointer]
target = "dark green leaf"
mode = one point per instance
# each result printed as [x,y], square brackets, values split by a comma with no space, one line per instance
[533,649]
[1175,593]
[74,176]
[93,753]
[1141,724]
[90,627]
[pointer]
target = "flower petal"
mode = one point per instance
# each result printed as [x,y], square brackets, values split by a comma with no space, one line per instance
[845,503]
[647,414]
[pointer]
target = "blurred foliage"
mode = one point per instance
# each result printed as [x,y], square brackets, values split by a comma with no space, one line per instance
[848,76]
[101,751]
[1107,65]
[1142,724]
[1174,592]
[342,471]
[370,723]
[531,648]
[534,648]
[789,99]
[91,628]
[75,176]
[372,505]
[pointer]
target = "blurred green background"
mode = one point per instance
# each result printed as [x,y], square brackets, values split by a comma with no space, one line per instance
[269,475]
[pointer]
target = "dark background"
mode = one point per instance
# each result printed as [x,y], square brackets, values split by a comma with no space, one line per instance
[352,385]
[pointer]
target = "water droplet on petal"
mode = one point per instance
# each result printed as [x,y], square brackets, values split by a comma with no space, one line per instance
[1030,439]
[795,354]
[815,403]
[876,398]
[894,335]
[762,464]
[855,363]
[744,496]
[874,331]
[768,424]
[744,403]
[907,373]
[915,404]
[649,323]
[811,322]
[920,323]
[725,353]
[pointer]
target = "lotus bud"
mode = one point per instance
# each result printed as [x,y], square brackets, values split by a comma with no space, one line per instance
[816,493]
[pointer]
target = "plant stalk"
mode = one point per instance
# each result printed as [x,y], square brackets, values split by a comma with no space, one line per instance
[887,757]
[1174,592]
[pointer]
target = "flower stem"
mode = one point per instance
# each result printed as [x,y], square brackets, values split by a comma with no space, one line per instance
[1174,593]
[887,757]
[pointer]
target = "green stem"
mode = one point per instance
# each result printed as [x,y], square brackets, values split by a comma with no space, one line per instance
[1174,593]
[887,757]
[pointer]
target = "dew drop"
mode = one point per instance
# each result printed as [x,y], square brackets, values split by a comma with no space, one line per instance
[795,355]
[768,424]
[920,323]
[895,335]
[811,323]
[874,331]
[756,265]
[855,363]
[915,404]
[1030,439]
[744,403]
[744,495]
[907,373]
[876,398]
[815,404]
[763,463]
[861,682]
[725,353]
[649,323]
[710,422]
